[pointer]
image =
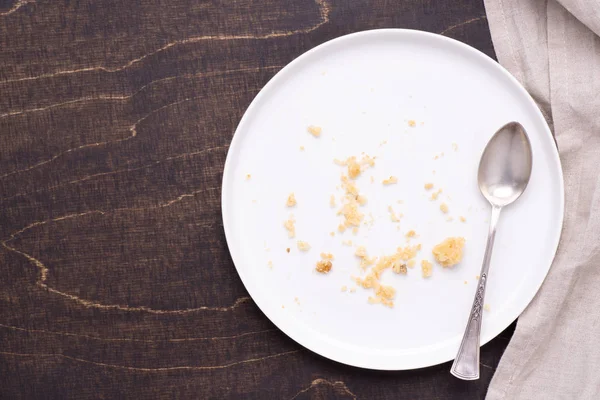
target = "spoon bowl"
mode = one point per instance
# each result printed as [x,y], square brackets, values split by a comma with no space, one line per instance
[505,166]
[504,172]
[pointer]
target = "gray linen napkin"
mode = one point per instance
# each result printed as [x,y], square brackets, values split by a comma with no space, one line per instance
[553,48]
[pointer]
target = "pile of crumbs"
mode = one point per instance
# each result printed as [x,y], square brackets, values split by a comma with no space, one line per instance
[396,262]
[352,199]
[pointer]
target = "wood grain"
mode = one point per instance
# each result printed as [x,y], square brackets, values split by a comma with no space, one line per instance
[115,121]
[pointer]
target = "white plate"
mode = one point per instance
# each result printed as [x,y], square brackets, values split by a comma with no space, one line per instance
[362,89]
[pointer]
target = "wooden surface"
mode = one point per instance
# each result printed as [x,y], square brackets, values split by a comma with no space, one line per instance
[115,120]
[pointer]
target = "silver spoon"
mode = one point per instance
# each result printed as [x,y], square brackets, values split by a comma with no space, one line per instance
[504,172]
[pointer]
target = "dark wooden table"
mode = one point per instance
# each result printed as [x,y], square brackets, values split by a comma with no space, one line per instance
[115,120]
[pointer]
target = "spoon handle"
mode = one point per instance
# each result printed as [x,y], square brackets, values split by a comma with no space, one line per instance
[466,363]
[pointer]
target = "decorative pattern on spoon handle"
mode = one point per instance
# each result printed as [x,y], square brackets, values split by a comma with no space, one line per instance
[479,296]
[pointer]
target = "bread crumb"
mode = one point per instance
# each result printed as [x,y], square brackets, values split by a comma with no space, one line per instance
[341,228]
[390,181]
[454,146]
[393,216]
[449,252]
[347,242]
[344,288]
[314,130]
[411,263]
[303,246]
[426,268]
[332,233]
[301,148]
[372,179]
[327,256]
[444,208]
[462,219]
[270,264]
[450,219]
[486,307]
[248,176]
[465,282]
[287,250]
[428,186]
[323,266]
[291,200]
[352,290]
[332,201]
[477,277]
[354,230]
[411,234]
[290,226]
[282,306]
[412,123]
[435,195]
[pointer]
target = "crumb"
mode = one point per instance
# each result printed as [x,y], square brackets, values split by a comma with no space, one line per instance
[352,290]
[426,268]
[347,242]
[344,288]
[390,181]
[301,148]
[428,186]
[435,195]
[248,176]
[412,123]
[254,201]
[450,219]
[362,200]
[444,208]
[282,306]
[411,234]
[486,307]
[372,179]
[462,219]
[353,168]
[393,216]
[327,256]
[354,230]
[477,277]
[290,226]
[303,246]
[465,282]
[361,252]
[332,201]
[332,233]
[454,146]
[270,264]
[436,157]
[411,263]
[382,143]
[296,300]
[341,228]
[449,252]
[291,200]
[323,266]
[399,269]
[433,172]
[287,250]
[399,202]
[314,130]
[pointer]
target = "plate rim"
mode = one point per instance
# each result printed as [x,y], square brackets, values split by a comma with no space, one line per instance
[233,147]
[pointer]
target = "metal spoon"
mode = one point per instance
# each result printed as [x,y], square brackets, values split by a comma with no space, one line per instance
[504,172]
